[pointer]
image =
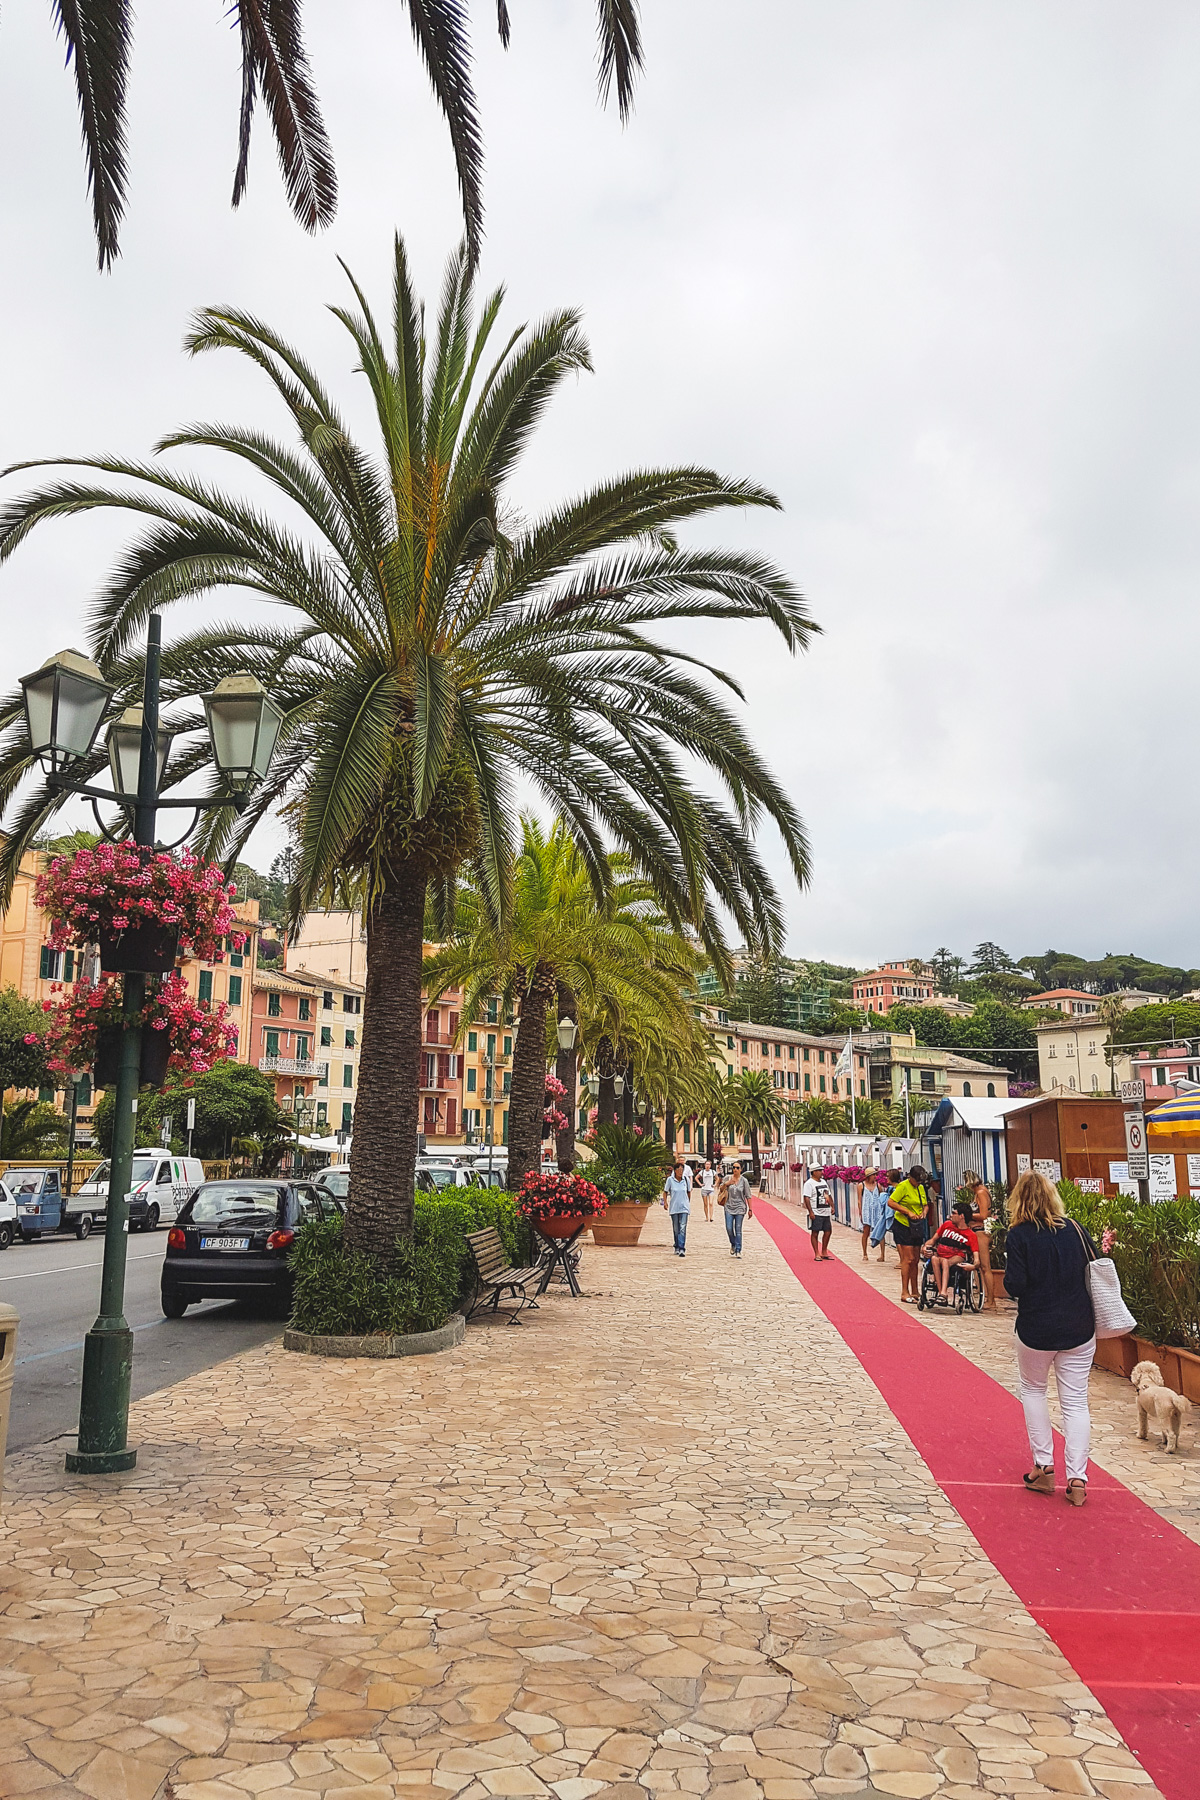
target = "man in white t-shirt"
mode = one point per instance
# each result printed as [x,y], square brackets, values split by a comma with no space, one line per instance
[819,1206]
[708,1185]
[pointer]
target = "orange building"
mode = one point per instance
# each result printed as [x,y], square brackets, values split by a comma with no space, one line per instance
[891,984]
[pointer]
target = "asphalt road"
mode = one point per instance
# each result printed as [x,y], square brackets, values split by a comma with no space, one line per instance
[55,1286]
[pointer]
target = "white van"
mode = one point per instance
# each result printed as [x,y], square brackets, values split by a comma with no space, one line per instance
[161,1183]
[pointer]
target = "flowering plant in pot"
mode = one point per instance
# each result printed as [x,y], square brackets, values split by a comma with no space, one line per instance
[558,1204]
[141,906]
[84,1031]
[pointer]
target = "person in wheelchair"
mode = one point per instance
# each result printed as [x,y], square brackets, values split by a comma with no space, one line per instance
[954,1246]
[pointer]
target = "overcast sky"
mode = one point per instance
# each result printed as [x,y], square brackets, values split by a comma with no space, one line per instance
[926,268]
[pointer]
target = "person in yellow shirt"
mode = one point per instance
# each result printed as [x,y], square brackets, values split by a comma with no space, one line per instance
[909,1203]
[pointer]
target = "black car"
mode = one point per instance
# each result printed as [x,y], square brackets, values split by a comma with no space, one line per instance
[231,1242]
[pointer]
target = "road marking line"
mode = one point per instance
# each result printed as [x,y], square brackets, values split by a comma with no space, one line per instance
[69,1268]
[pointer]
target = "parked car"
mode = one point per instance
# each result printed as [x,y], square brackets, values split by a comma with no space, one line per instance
[335,1183]
[433,1177]
[39,1201]
[231,1242]
[160,1184]
[8,1216]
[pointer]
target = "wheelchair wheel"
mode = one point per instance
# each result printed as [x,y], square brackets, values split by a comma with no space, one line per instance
[927,1293]
[975,1291]
[962,1291]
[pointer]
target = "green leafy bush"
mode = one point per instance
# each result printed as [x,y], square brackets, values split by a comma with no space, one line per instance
[629,1169]
[1156,1249]
[341,1294]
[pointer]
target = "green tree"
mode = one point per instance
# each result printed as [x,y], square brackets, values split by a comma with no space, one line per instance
[22,1064]
[817,1113]
[755,1107]
[234,1104]
[99,38]
[1169,1023]
[32,1128]
[947,969]
[435,651]
[990,959]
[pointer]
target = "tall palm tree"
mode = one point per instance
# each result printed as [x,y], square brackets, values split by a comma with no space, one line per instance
[99,40]
[759,1111]
[429,653]
[817,1113]
[1111,1012]
[616,948]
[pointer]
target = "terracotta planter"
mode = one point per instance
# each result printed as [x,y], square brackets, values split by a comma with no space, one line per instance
[1117,1355]
[621,1224]
[1189,1372]
[146,948]
[560,1225]
[1166,1358]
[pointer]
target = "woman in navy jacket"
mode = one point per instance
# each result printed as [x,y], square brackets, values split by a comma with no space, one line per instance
[1046,1257]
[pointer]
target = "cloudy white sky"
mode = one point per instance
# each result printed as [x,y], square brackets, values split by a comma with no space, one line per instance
[926,268]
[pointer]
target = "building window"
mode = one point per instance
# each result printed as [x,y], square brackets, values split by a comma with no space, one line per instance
[68,973]
[272,1043]
[304,1004]
[927,1081]
[351,1040]
[729,1043]
[347,1115]
[508,1046]
[235,990]
[326,1037]
[504,1126]
[745,1048]
[471,1081]
[83,1090]
[779,1049]
[327,1000]
[302,1044]
[347,1074]
[1071,1084]
[729,1070]
[806,1059]
[966,1090]
[991,1093]
[687,1134]
[1091,1046]
[46,962]
[236,958]
[493,1011]
[822,1081]
[1095,1084]
[206,985]
[1052,1051]
[274,1010]
[507,1083]
[472,1040]
[791,1052]
[862,1088]
[1160,1077]
[807,1083]
[323,1074]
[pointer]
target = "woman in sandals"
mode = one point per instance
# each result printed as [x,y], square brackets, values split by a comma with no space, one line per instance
[909,1204]
[981,1203]
[1046,1258]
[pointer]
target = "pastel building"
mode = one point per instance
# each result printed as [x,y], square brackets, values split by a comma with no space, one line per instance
[891,984]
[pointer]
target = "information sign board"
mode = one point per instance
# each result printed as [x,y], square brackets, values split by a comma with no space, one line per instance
[1133,1090]
[1135,1145]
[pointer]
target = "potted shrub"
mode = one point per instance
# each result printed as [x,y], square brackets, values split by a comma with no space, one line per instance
[558,1204]
[143,907]
[629,1170]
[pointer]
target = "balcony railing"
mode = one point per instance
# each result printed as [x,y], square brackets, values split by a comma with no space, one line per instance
[287,1065]
[430,1036]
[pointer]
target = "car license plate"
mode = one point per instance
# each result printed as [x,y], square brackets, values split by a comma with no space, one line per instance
[224,1243]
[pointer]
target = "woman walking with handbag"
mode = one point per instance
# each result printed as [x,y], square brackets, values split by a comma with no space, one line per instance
[1047,1257]
[909,1204]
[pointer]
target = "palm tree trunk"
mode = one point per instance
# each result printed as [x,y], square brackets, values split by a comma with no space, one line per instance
[606,1100]
[755,1164]
[566,1067]
[386,1114]
[709,1134]
[669,1126]
[627,1100]
[527,1099]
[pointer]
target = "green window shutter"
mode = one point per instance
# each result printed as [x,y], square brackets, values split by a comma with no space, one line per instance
[46,963]
[303,1006]
[46,1096]
[323,1077]
[504,1137]
[237,958]
[272,1043]
[347,1074]
[472,1040]
[822,1079]
[508,1046]
[69,965]
[347,1115]
[807,1083]
[235,990]
[350,1040]
[471,1076]
[206,984]
[326,1037]
[273,1007]
[507,1083]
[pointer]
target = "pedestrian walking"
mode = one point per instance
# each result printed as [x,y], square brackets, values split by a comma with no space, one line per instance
[737,1205]
[874,1210]
[909,1204]
[1046,1259]
[819,1207]
[708,1187]
[677,1198]
[980,1197]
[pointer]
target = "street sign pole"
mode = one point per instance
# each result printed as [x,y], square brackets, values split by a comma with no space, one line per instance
[1133,1093]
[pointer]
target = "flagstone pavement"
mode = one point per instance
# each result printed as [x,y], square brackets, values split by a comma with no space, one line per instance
[663,1539]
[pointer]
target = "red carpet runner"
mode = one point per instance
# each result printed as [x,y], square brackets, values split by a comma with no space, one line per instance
[1115,1585]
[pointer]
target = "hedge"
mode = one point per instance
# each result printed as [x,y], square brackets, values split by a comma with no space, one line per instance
[342,1294]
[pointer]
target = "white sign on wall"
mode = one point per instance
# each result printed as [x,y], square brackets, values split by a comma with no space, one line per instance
[1090,1184]
[1022,1163]
[1193,1171]
[1119,1171]
[1162,1177]
[1051,1170]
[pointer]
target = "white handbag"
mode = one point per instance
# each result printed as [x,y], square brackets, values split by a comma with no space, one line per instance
[1113,1318]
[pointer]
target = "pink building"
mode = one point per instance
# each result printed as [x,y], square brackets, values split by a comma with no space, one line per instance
[891,984]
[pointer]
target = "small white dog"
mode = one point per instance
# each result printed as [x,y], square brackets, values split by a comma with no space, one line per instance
[1169,1409]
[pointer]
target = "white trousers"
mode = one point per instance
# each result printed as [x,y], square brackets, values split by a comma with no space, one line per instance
[1071,1370]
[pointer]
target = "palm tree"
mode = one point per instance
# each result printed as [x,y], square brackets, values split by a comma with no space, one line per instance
[429,654]
[760,1108]
[817,1113]
[616,948]
[33,1128]
[1111,1012]
[99,38]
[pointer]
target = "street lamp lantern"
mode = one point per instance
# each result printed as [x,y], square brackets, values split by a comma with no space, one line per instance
[593,1086]
[125,752]
[618,1085]
[65,703]
[243,723]
[568,1031]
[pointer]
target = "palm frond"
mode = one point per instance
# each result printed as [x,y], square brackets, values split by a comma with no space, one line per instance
[274,60]
[98,34]
[620,51]
[441,30]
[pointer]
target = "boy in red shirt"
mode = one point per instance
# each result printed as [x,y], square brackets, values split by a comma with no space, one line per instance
[953,1242]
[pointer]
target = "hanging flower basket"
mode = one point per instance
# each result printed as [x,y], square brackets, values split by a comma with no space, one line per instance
[178,1032]
[107,894]
[147,947]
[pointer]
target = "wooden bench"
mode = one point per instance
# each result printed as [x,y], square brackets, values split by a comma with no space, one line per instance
[495,1275]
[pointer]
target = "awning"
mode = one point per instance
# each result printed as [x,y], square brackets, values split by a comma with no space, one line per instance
[1180,1114]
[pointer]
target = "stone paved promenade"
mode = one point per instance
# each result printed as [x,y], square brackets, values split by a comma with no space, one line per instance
[667,1538]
